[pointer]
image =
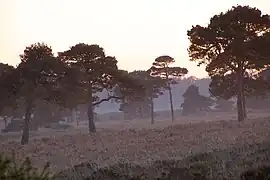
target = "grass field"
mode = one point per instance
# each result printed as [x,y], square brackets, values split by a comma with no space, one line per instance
[219,147]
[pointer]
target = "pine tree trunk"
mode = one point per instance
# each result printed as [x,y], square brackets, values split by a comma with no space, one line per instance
[73,114]
[68,117]
[141,109]
[5,121]
[171,102]
[185,108]
[27,118]
[244,106]
[91,123]
[244,102]
[152,110]
[78,118]
[239,107]
[240,97]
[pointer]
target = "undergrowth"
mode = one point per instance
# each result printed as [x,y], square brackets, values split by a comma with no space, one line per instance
[11,170]
[249,162]
[246,163]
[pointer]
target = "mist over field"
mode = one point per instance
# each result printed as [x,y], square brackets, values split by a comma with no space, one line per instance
[159,103]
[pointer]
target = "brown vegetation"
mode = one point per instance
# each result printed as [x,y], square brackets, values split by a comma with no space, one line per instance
[142,146]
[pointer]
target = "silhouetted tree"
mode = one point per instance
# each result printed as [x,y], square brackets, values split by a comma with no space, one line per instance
[233,42]
[222,104]
[194,101]
[259,98]
[265,74]
[34,78]
[137,106]
[46,112]
[72,91]
[161,68]
[143,104]
[99,72]
[225,87]
[6,104]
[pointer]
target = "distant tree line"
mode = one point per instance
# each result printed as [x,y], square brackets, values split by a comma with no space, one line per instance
[46,84]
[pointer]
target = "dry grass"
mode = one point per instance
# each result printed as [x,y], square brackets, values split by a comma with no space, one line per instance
[140,145]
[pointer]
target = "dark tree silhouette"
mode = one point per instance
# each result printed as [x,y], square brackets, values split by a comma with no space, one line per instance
[233,42]
[144,103]
[71,91]
[138,106]
[161,68]
[193,101]
[46,112]
[6,104]
[34,78]
[38,74]
[222,104]
[132,104]
[225,87]
[99,72]
[265,74]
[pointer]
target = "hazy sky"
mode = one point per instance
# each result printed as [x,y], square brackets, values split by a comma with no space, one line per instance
[135,31]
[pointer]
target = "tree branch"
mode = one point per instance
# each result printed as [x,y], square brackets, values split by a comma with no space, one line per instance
[106,99]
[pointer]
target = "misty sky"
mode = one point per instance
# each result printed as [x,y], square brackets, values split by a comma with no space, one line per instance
[135,31]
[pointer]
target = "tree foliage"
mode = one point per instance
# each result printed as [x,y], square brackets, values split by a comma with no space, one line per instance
[6,104]
[193,101]
[96,68]
[223,105]
[141,103]
[226,86]
[236,41]
[96,73]
[34,78]
[162,68]
[70,90]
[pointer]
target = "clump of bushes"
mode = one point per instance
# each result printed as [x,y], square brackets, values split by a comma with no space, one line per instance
[11,170]
[228,164]
[261,173]
[204,166]
[160,170]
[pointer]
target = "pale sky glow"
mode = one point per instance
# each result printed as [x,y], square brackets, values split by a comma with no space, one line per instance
[135,31]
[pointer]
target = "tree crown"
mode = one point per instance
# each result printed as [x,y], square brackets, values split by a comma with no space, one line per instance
[228,42]
[161,68]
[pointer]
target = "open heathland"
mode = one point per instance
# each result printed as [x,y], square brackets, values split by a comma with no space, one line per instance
[144,146]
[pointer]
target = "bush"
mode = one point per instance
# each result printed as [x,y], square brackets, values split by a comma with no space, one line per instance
[261,173]
[10,170]
[160,170]
[227,164]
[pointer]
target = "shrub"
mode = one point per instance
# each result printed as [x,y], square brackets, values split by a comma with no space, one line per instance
[10,170]
[261,173]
